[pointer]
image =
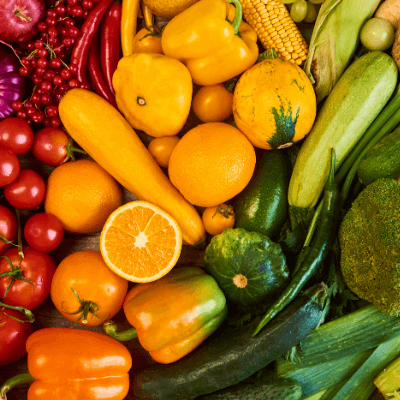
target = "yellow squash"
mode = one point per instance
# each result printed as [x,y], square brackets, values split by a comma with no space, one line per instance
[108,138]
[154,92]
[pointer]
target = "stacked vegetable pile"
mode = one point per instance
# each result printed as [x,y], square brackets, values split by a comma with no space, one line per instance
[133,134]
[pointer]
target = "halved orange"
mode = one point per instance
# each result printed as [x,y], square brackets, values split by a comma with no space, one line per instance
[140,242]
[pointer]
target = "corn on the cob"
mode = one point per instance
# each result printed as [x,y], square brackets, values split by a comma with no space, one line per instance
[276,29]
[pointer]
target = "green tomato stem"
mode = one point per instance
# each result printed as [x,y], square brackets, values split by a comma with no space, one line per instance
[110,328]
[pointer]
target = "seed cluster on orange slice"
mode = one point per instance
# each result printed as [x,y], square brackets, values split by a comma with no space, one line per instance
[140,242]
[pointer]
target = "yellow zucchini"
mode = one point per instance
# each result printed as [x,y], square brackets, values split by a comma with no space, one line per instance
[351,107]
[109,139]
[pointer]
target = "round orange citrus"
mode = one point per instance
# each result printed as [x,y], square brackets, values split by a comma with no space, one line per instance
[140,242]
[81,194]
[212,163]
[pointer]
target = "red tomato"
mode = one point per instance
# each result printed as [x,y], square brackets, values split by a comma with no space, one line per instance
[32,277]
[43,232]
[8,228]
[16,135]
[9,166]
[14,334]
[51,146]
[27,191]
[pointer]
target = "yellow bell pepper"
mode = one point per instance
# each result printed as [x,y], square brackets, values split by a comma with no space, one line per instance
[213,48]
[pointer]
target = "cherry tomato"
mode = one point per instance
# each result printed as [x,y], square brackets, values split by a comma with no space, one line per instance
[377,34]
[8,228]
[9,166]
[161,149]
[14,334]
[218,218]
[27,191]
[212,103]
[16,135]
[51,146]
[147,44]
[43,232]
[29,283]
[84,290]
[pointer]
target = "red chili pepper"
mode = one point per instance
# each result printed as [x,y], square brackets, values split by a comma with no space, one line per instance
[96,74]
[110,35]
[80,53]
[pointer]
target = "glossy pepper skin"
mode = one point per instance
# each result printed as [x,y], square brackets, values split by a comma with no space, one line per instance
[73,364]
[213,48]
[176,313]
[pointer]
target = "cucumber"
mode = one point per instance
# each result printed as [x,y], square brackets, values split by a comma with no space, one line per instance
[262,206]
[382,160]
[231,355]
[269,387]
[351,107]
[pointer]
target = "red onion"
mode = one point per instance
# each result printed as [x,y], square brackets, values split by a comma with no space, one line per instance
[12,85]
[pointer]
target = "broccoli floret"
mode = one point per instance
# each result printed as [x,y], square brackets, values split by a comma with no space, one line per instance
[370,245]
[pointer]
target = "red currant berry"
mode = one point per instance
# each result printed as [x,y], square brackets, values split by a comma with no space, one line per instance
[68,41]
[72,2]
[46,86]
[73,83]
[42,53]
[57,80]
[65,73]
[85,13]
[58,49]
[55,122]
[51,13]
[64,31]
[69,9]
[52,111]
[35,98]
[88,4]
[23,71]
[63,88]
[37,117]
[60,9]
[52,32]
[17,105]
[25,61]
[51,21]
[28,103]
[73,68]
[85,85]
[30,46]
[38,44]
[49,75]
[40,71]
[33,63]
[73,31]
[55,63]
[42,62]
[46,99]
[21,114]
[36,79]
[42,26]
[77,11]
[58,97]
[30,111]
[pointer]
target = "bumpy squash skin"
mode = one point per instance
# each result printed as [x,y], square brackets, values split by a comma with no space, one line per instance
[230,356]
[274,104]
[248,266]
[262,206]
[108,138]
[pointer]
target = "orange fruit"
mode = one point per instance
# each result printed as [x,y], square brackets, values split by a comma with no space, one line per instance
[140,242]
[212,163]
[81,194]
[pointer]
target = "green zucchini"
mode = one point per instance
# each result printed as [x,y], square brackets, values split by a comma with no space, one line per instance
[262,206]
[231,355]
[268,387]
[353,104]
[381,160]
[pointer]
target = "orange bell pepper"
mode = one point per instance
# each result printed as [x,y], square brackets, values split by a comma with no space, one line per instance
[72,364]
[213,48]
[174,314]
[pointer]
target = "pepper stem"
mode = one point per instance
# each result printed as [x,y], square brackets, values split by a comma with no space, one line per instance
[13,382]
[110,328]
[18,13]
[237,20]
[28,314]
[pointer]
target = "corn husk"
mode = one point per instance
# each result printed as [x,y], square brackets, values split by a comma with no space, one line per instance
[334,41]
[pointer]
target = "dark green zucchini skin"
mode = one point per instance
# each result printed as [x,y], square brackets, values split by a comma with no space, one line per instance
[263,204]
[270,388]
[232,354]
